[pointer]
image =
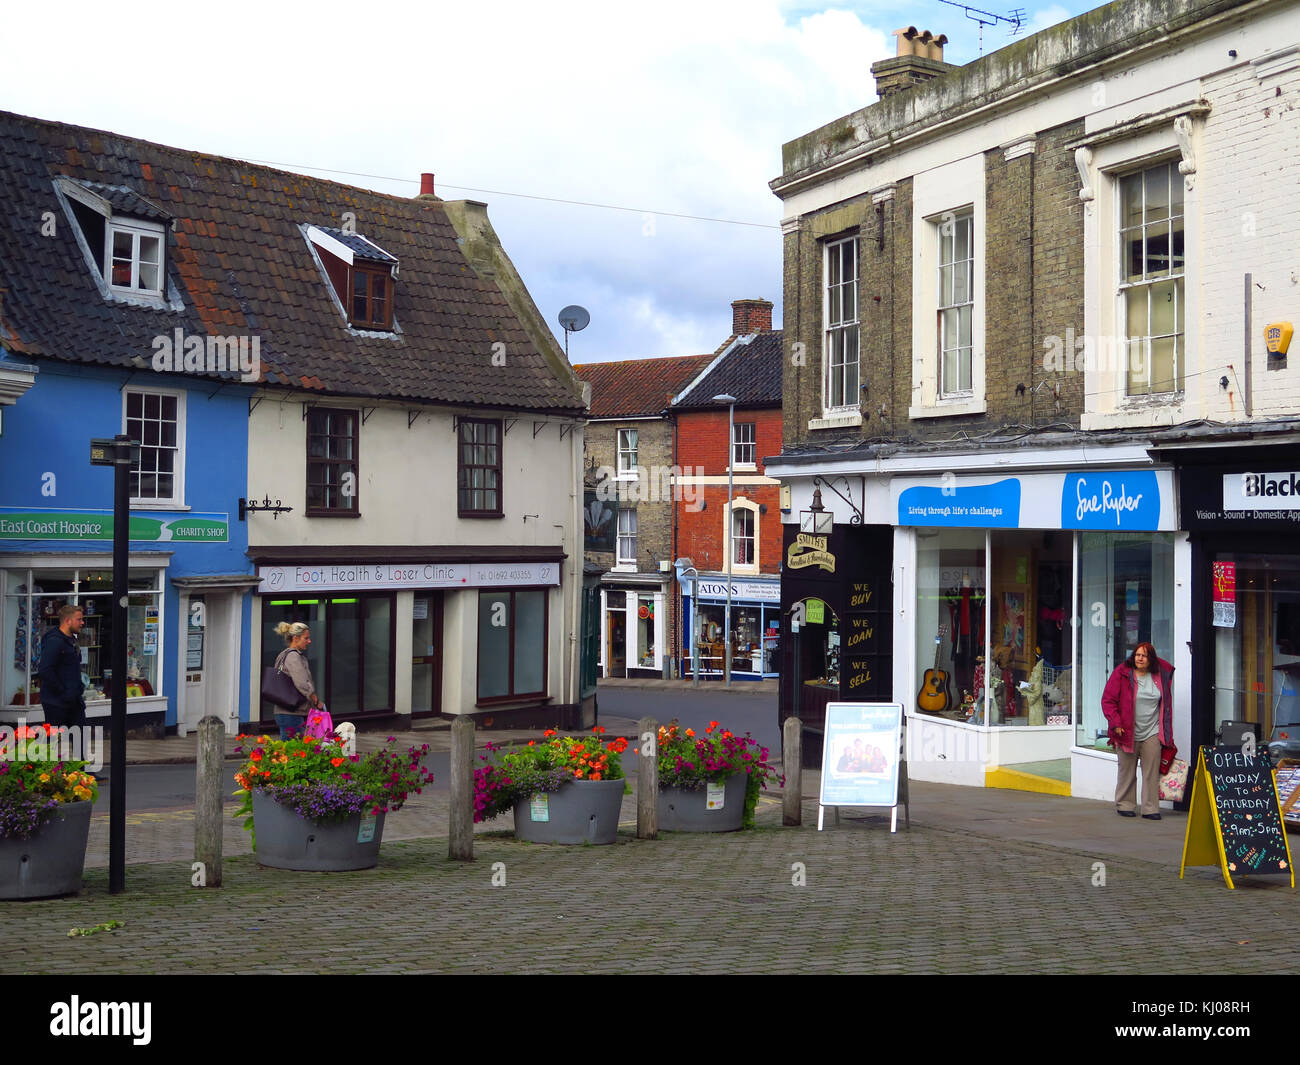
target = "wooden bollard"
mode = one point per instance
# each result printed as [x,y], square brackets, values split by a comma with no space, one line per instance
[792,763]
[460,823]
[647,778]
[208,830]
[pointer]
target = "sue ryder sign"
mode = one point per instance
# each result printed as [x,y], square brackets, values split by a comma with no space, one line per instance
[1105,500]
[343,576]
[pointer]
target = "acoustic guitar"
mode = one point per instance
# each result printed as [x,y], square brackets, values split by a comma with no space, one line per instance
[934,696]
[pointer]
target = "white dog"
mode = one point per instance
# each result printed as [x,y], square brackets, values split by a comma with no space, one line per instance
[347,734]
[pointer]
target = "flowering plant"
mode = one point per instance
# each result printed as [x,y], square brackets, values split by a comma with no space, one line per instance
[543,767]
[33,785]
[690,762]
[317,780]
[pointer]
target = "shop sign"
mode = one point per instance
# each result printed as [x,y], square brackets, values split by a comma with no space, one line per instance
[343,576]
[815,612]
[17,523]
[1224,582]
[1261,491]
[860,754]
[758,591]
[983,506]
[809,550]
[1110,500]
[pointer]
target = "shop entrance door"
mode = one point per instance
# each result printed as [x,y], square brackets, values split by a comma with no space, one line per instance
[616,640]
[426,654]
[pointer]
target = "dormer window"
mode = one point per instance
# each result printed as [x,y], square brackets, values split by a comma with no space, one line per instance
[133,256]
[361,274]
[124,238]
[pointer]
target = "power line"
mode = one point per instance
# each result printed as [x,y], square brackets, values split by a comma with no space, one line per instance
[520,195]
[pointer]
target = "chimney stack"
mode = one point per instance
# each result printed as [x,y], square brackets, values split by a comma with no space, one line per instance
[919,59]
[750,316]
[426,185]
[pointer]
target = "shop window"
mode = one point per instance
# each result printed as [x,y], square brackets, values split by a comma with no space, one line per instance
[511,645]
[478,472]
[332,463]
[351,653]
[1151,285]
[950,623]
[840,351]
[1255,601]
[1126,596]
[645,632]
[157,420]
[31,606]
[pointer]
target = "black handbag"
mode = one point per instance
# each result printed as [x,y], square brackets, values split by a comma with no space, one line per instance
[278,688]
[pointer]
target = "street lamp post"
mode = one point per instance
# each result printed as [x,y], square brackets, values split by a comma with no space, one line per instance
[730,400]
[682,565]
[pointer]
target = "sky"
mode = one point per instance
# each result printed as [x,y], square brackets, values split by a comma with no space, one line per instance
[677,108]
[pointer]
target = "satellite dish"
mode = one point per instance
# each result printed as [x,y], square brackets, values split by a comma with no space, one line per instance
[574,318]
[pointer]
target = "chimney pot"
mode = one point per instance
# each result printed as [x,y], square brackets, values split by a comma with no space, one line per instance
[426,185]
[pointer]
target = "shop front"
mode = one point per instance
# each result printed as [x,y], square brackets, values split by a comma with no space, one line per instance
[1025,590]
[382,629]
[1241,507]
[755,630]
[634,628]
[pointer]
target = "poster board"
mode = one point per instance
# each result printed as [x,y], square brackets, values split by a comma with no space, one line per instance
[1234,819]
[862,758]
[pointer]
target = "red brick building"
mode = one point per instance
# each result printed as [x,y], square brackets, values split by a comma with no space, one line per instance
[747,367]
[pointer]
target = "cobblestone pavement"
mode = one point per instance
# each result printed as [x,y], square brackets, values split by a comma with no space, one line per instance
[938,899]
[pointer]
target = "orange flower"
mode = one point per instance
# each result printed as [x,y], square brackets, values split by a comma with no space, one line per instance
[690,732]
[595,776]
[532,743]
[598,729]
[336,762]
[577,772]
[256,756]
[549,732]
[301,754]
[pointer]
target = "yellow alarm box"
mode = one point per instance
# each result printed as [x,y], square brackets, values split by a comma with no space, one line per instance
[1277,336]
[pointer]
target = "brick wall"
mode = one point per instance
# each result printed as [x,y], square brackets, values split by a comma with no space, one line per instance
[654,515]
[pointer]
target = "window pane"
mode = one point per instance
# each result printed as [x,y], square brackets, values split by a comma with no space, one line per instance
[1131,201]
[1157,193]
[152,405]
[493,644]
[1157,260]
[530,628]
[1163,308]
[378,654]
[344,657]
[963,235]
[1162,365]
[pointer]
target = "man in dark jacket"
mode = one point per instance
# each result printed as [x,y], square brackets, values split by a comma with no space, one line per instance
[61,687]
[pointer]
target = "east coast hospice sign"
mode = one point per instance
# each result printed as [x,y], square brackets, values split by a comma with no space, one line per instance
[82,525]
[1105,500]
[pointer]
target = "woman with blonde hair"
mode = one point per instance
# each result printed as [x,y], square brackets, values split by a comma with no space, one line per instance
[293,661]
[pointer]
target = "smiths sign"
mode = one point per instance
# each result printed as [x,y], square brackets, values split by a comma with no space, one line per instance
[810,550]
[1261,491]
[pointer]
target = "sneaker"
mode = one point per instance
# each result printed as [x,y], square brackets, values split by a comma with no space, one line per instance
[1151,817]
[1127,813]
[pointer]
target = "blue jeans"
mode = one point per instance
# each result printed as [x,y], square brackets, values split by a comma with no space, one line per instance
[290,725]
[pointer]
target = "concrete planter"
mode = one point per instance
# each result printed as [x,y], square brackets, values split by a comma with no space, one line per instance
[681,810]
[581,811]
[286,840]
[52,861]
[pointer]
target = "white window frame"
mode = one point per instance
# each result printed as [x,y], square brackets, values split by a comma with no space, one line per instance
[745,436]
[949,303]
[626,536]
[1107,404]
[837,328]
[625,471]
[940,196]
[135,229]
[741,503]
[177,500]
[1148,283]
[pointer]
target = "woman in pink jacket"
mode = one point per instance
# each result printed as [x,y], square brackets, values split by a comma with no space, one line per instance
[1139,705]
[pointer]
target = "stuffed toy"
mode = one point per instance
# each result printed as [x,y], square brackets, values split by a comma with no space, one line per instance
[1033,692]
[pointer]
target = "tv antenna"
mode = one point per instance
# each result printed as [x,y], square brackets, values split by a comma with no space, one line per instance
[574,319]
[1015,19]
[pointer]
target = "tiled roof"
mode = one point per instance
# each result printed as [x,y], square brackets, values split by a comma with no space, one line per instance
[239,261]
[638,386]
[127,201]
[749,371]
[359,246]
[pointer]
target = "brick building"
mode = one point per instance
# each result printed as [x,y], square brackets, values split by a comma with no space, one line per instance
[628,487]
[1024,300]
[747,367]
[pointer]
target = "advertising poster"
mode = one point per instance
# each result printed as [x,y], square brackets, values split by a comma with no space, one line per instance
[860,751]
[1224,583]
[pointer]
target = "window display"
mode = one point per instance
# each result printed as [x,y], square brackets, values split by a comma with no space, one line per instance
[645,631]
[31,605]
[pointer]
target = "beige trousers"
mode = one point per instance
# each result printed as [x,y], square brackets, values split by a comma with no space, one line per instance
[1148,753]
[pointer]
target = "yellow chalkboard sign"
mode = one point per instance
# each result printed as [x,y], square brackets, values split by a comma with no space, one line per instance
[1234,820]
